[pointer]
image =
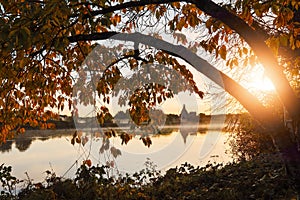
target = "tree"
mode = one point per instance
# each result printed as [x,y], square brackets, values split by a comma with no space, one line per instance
[44,42]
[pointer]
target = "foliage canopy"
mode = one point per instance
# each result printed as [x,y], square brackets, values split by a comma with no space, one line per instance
[43,43]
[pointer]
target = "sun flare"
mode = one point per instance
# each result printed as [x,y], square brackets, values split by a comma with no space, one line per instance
[258,81]
[262,84]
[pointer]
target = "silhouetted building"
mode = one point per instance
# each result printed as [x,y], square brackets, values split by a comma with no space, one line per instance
[188,121]
[187,117]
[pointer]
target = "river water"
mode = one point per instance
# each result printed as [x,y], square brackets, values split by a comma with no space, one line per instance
[37,151]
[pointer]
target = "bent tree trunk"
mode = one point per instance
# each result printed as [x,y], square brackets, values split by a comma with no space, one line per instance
[263,52]
[250,102]
[285,140]
[254,38]
[272,124]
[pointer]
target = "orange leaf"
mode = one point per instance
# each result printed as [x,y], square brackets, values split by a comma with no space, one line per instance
[77,32]
[223,52]
[87,162]
[22,130]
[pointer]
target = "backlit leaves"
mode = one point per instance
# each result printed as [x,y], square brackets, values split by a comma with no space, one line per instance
[31,39]
[125,137]
[147,141]
[115,152]
[188,17]
[223,52]
[87,162]
[37,60]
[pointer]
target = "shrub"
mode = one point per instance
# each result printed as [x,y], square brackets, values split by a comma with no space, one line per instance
[247,141]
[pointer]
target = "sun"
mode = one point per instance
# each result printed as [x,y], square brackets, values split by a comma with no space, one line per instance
[264,85]
[260,82]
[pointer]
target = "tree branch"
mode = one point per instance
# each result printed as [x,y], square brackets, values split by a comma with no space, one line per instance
[91,37]
[252,37]
[130,4]
[264,53]
[250,102]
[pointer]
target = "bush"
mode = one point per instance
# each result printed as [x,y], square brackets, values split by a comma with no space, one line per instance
[260,178]
[9,183]
[247,140]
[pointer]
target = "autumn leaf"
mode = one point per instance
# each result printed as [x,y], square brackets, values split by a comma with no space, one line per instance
[223,52]
[115,152]
[87,162]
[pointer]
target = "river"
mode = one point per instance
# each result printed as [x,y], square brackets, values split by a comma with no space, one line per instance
[37,151]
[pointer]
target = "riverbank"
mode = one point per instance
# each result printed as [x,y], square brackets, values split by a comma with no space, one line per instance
[260,178]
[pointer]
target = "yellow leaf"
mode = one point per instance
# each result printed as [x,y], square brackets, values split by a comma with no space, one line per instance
[284,40]
[223,52]
[298,44]
[55,21]
[176,5]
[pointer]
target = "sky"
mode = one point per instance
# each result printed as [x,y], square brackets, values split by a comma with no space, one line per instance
[255,80]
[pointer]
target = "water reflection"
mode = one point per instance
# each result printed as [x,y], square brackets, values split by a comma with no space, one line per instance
[23,142]
[38,151]
[6,147]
